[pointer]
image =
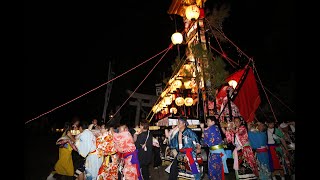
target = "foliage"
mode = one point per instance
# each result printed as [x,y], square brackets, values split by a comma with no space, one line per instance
[216,19]
[174,67]
[216,72]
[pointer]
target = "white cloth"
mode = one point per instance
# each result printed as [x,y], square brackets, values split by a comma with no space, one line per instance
[155,142]
[270,136]
[293,129]
[86,144]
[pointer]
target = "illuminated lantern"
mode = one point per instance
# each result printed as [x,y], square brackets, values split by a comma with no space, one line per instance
[187,84]
[188,67]
[192,12]
[179,101]
[177,84]
[176,38]
[188,101]
[167,100]
[233,83]
[166,110]
[191,58]
[173,110]
[162,104]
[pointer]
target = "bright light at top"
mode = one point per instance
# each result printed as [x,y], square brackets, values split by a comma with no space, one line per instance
[233,83]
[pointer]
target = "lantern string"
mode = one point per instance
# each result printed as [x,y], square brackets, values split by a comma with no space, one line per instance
[170,46]
[98,86]
[226,57]
[167,85]
[274,115]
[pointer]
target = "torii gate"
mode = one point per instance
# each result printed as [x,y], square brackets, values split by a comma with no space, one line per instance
[142,100]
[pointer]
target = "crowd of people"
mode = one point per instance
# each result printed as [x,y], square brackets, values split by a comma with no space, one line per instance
[102,152]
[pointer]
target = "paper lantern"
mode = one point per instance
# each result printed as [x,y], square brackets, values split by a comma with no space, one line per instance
[192,12]
[173,110]
[188,101]
[187,84]
[179,101]
[167,100]
[176,38]
[177,84]
[233,83]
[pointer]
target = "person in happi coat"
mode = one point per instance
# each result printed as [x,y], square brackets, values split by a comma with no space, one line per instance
[189,147]
[244,163]
[173,147]
[87,148]
[276,149]
[217,160]
[129,162]
[258,141]
[106,149]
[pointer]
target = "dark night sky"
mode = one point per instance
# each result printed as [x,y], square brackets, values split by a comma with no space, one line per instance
[67,47]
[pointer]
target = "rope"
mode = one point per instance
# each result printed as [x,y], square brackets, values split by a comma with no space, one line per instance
[264,92]
[279,100]
[95,88]
[250,59]
[231,42]
[140,83]
[228,59]
[265,116]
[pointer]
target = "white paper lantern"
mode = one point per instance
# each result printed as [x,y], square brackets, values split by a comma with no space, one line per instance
[233,83]
[179,101]
[176,38]
[167,100]
[177,84]
[192,12]
[188,101]
[173,110]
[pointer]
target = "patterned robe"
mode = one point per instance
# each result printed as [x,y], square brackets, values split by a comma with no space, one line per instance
[124,145]
[217,158]
[106,149]
[187,154]
[244,159]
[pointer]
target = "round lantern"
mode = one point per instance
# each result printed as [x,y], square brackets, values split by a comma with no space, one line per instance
[163,104]
[177,84]
[188,101]
[167,100]
[173,110]
[166,110]
[191,58]
[233,83]
[192,12]
[179,101]
[187,84]
[176,38]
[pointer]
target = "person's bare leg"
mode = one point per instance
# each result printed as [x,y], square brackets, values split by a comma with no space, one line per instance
[81,177]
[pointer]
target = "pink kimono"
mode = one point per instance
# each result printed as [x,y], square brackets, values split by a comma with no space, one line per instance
[243,152]
[126,149]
